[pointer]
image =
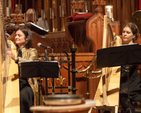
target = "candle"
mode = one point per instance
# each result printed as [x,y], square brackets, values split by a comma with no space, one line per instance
[86,4]
[36,15]
[7,11]
[109,11]
[26,17]
[52,13]
[60,10]
[63,11]
[43,14]
[20,8]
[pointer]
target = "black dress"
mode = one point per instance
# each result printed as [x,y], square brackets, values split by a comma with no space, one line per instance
[130,87]
[26,93]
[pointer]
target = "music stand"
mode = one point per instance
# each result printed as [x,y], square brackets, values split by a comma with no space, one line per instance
[31,69]
[118,56]
[48,69]
[37,28]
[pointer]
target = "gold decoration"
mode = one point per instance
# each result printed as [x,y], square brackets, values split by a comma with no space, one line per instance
[77,6]
[99,2]
[61,79]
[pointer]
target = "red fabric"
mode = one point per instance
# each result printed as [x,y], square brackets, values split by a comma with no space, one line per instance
[13,5]
[76,16]
[139,4]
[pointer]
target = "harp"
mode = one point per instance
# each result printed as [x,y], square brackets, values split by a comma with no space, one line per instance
[107,93]
[9,82]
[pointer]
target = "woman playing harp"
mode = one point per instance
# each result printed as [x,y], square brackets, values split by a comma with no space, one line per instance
[9,82]
[129,36]
[28,88]
[128,86]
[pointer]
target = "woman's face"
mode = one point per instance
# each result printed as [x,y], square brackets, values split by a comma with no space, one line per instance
[20,38]
[127,36]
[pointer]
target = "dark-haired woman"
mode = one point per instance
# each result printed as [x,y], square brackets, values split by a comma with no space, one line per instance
[25,52]
[130,85]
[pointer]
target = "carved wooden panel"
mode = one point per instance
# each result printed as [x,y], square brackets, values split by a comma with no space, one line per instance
[56,41]
[94,30]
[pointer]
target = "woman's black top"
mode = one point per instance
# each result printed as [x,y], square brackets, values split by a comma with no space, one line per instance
[23,81]
[130,81]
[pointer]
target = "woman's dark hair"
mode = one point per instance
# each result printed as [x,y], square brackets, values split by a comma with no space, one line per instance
[27,33]
[134,30]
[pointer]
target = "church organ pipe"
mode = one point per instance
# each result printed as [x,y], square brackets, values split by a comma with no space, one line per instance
[62,11]
[72,7]
[52,17]
[43,15]
[62,16]
[53,7]
[55,13]
[47,6]
[86,6]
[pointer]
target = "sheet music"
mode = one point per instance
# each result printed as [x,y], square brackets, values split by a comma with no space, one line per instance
[37,28]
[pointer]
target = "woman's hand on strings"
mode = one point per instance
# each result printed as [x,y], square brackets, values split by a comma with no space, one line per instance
[11,54]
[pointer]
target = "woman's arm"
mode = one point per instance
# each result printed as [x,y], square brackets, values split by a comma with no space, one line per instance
[28,55]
